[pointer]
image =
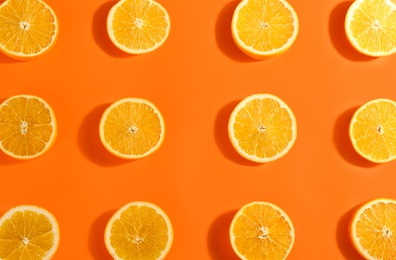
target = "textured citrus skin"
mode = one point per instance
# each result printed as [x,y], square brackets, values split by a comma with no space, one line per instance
[259,120]
[159,241]
[249,48]
[261,230]
[50,252]
[371,130]
[53,124]
[106,137]
[28,57]
[148,29]
[370,27]
[359,242]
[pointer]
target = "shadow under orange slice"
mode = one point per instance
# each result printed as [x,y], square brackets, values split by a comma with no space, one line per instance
[96,237]
[219,244]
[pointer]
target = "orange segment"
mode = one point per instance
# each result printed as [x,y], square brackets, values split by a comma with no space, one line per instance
[371,27]
[28,232]
[132,128]
[27,127]
[373,130]
[28,29]
[138,26]
[264,28]
[139,230]
[260,231]
[262,128]
[373,229]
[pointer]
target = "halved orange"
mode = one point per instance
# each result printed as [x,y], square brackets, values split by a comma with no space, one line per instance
[139,230]
[264,29]
[371,27]
[372,130]
[138,26]
[261,230]
[262,128]
[28,126]
[28,232]
[372,229]
[28,29]
[132,128]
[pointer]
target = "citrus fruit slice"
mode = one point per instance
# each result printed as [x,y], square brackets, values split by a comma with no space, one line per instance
[139,230]
[28,232]
[29,29]
[132,128]
[372,130]
[138,26]
[27,126]
[261,230]
[370,27]
[264,29]
[372,229]
[262,128]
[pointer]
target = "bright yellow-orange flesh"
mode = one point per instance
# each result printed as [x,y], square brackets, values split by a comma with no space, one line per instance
[28,28]
[371,26]
[138,26]
[261,231]
[373,130]
[139,230]
[262,128]
[264,28]
[27,232]
[132,128]
[373,229]
[27,126]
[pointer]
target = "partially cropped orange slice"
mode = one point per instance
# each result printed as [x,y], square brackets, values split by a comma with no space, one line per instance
[132,128]
[373,130]
[262,128]
[28,126]
[262,231]
[264,29]
[28,232]
[138,26]
[373,229]
[28,29]
[370,27]
[139,230]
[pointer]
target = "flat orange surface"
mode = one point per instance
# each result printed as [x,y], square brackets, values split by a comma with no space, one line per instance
[195,79]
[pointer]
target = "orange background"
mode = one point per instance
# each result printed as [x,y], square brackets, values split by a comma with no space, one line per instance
[195,79]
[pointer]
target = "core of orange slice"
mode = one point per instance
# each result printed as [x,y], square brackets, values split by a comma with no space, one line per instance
[260,231]
[138,26]
[132,128]
[372,130]
[27,126]
[139,230]
[28,232]
[262,128]
[370,27]
[29,28]
[372,229]
[264,29]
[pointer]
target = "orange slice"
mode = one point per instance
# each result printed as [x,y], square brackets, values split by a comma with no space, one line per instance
[371,27]
[372,130]
[132,128]
[373,229]
[262,128]
[264,29]
[28,232]
[139,230]
[29,28]
[138,26]
[27,126]
[260,231]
